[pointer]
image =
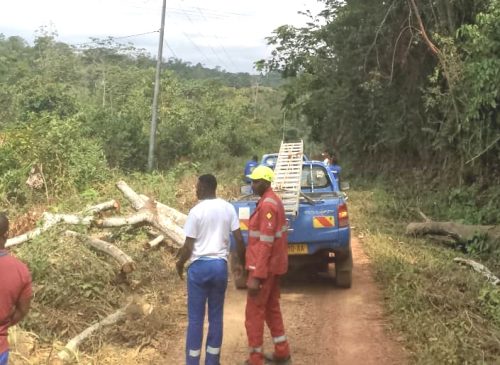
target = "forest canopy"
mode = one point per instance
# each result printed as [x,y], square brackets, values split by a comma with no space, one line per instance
[399,84]
[76,112]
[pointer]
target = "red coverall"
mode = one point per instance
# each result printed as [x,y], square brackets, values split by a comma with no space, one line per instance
[266,259]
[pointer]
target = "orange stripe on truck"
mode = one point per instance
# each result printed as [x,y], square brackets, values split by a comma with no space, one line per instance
[323,221]
[244,224]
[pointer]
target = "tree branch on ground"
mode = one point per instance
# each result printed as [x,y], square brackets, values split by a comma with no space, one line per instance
[127,265]
[50,219]
[480,268]
[69,351]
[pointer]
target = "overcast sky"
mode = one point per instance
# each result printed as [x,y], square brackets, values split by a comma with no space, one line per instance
[226,33]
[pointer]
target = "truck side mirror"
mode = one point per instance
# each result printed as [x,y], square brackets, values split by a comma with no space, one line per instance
[344,185]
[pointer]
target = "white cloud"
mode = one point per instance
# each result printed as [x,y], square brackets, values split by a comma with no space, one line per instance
[209,32]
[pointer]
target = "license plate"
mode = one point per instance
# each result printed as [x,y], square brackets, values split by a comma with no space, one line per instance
[297,249]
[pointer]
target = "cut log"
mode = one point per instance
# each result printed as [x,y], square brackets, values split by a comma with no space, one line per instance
[177,217]
[126,263]
[147,216]
[50,219]
[480,268]
[112,204]
[134,198]
[459,232]
[68,352]
[133,219]
[155,242]
[139,200]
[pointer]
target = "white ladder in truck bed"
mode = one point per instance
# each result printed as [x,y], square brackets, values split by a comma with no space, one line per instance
[287,175]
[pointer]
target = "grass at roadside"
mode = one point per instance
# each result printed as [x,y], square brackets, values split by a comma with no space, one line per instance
[446,313]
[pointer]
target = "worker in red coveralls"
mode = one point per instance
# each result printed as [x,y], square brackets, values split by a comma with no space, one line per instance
[15,290]
[266,261]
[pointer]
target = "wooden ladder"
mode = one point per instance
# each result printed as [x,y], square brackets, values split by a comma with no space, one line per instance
[288,174]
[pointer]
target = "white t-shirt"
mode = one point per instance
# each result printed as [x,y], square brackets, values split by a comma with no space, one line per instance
[210,222]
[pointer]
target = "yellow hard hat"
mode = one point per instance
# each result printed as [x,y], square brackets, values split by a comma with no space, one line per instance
[262,172]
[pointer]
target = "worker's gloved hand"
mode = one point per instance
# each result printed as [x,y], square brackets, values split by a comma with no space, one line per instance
[253,286]
[179,265]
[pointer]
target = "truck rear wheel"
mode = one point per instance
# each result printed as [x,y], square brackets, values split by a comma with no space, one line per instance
[240,281]
[343,270]
[239,278]
[343,279]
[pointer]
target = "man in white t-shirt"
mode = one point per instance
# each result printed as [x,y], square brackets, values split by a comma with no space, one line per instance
[207,230]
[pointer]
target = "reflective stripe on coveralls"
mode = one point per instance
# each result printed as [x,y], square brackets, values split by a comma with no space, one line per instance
[270,200]
[213,350]
[267,238]
[195,353]
[279,339]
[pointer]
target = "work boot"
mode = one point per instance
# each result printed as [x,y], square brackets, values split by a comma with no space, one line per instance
[255,358]
[281,353]
[272,360]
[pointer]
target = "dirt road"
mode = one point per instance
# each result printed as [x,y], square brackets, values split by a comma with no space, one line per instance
[325,325]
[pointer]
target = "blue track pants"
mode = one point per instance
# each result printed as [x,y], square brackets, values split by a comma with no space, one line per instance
[207,283]
[4,358]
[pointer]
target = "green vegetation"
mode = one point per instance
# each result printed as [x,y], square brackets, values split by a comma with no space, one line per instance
[446,313]
[396,85]
[76,113]
[408,93]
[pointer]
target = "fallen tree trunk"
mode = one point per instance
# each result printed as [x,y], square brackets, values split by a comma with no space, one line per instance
[112,204]
[148,213]
[68,352]
[459,232]
[138,202]
[50,219]
[480,268]
[149,216]
[177,217]
[134,198]
[126,263]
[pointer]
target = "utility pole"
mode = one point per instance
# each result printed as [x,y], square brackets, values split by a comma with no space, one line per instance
[152,136]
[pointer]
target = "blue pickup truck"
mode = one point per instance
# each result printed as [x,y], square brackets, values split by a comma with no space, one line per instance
[320,233]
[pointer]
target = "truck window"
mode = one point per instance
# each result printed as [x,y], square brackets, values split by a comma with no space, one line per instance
[270,161]
[317,177]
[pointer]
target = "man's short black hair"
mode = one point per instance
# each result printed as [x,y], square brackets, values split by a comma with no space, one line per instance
[4,224]
[209,182]
[255,158]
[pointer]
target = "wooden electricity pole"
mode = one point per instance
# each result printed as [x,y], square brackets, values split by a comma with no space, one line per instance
[152,136]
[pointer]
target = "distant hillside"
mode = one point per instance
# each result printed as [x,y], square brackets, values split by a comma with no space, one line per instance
[186,70]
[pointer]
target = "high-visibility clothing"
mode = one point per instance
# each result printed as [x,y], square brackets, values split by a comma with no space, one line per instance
[265,307]
[266,259]
[267,249]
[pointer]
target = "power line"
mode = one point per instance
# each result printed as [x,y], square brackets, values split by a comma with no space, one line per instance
[171,50]
[192,9]
[197,48]
[136,35]
[217,38]
[120,37]
[209,46]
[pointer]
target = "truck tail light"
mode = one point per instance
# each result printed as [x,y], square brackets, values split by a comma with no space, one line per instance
[343,216]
